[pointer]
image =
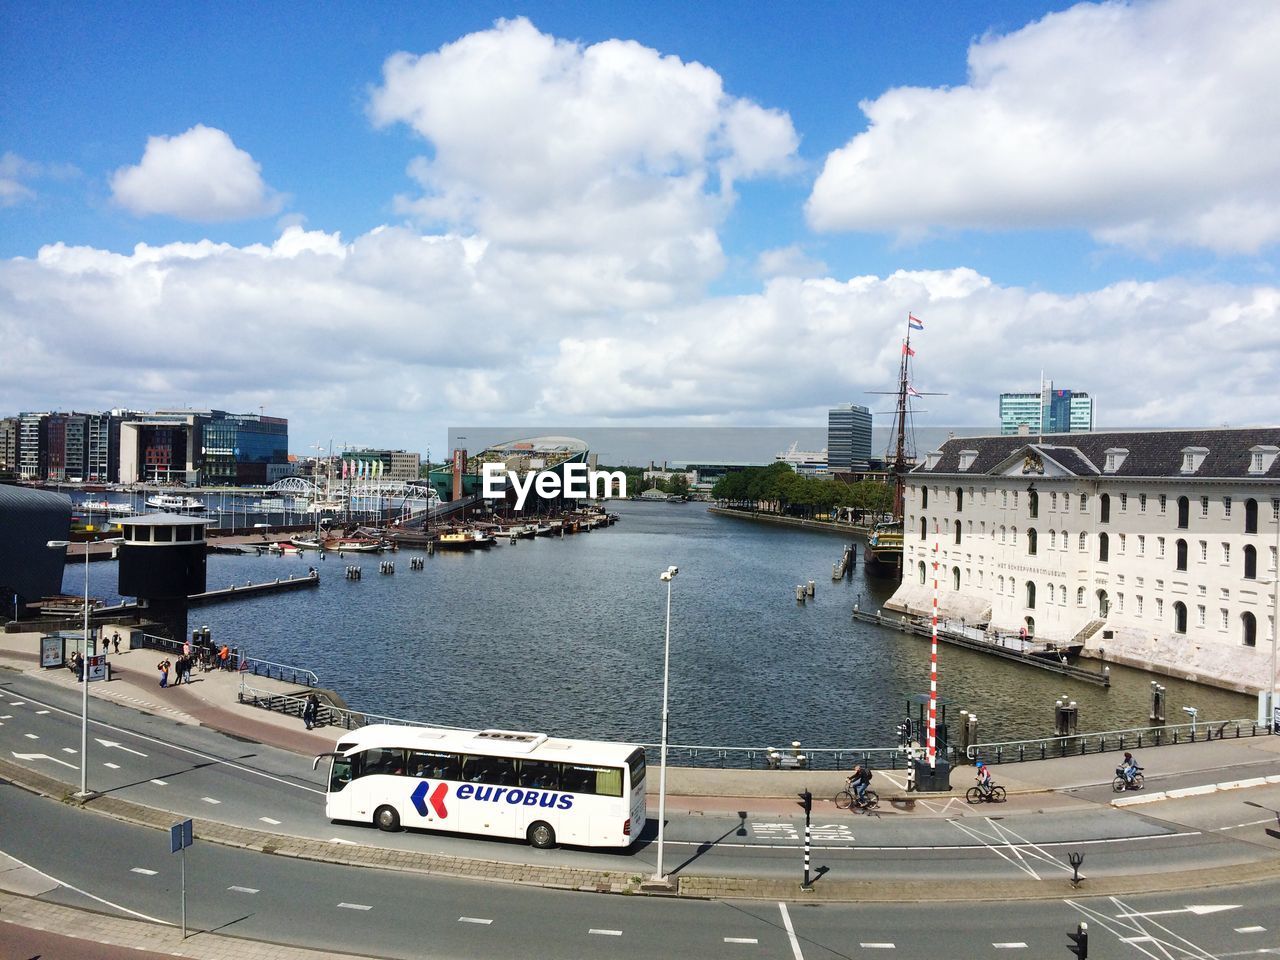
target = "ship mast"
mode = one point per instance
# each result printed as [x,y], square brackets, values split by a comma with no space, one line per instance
[900,423]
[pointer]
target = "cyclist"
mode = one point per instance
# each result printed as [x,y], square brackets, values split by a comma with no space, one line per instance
[859,779]
[983,777]
[1128,767]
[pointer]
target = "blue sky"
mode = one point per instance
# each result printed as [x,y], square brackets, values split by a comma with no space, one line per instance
[635,213]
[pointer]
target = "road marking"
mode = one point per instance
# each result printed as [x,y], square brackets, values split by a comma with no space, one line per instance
[160,783]
[85,893]
[18,703]
[605,933]
[1199,909]
[7,716]
[69,750]
[31,736]
[1137,939]
[349,843]
[1010,946]
[210,800]
[480,920]
[244,889]
[119,746]
[791,932]
[355,906]
[144,871]
[741,940]
[1251,929]
[113,766]
[274,823]
[877,946]
[39,712]
[42,756]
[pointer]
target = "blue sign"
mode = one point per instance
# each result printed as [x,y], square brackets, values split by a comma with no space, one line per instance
[180,836]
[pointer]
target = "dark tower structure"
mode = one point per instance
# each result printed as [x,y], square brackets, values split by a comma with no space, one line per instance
[162,563]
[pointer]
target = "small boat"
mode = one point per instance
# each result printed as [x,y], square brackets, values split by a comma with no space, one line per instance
[307,543]
[355,544]
[464,540]
[176,504]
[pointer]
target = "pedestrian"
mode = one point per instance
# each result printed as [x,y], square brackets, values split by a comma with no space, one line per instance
[224,657]
[163,667]
[309,711]
[184,670]
[115,642]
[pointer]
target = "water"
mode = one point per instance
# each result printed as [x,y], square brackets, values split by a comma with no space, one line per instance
[566,636]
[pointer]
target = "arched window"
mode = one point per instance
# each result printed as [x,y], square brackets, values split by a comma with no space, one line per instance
[1049,595]
[1084,541]
[1013,535]
[1104,604]
[1251,516]
[924,498]
[1033,504]
[1031,542]
[1248,629]
[924,529]
[1062,595]
[1080,597]
[957,531]
[1000,589]
[1053,539]
[921,568]
[1179,617]
[959,499]
[1184,513]
[1031,595]
[1066,501]
[1104,542]
[1031,625]
[955,578]
[1250,562]
[1053,500]
[1002,533]
[1104,508]
[1066,542]
[1084,502]
[1182,555]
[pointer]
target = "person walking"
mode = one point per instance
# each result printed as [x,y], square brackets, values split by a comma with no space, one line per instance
[115,642]
[163,667]
[310,710]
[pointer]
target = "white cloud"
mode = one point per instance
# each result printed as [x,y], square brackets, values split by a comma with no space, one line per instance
[608,161]
[199,175]
[14,170]
[395,333]
[789,261]
[1148,123]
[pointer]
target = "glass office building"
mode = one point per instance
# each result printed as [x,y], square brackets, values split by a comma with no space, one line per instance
[848,438]
[1047,411]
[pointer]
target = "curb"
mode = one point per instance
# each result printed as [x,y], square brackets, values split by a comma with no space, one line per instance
[1195,791]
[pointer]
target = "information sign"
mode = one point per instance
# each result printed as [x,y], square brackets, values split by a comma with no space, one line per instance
[52,652]
[97,666]
[180,836]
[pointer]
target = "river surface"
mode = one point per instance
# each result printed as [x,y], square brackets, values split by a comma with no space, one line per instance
[565,635]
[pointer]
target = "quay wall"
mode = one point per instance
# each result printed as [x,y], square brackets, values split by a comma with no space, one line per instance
[828,526]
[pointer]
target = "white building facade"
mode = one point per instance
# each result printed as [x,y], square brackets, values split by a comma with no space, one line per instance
[1153,549]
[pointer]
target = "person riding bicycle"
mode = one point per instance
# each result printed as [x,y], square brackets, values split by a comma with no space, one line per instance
[1128,768]
[983,777]
[859,779]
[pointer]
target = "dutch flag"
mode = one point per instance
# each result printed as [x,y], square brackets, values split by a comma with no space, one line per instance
[915,322]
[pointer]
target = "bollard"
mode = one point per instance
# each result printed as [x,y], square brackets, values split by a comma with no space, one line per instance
[1157,703]
[799,593]
[836,573]
[810,588]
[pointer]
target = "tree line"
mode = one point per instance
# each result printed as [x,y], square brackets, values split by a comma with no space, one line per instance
[779,489]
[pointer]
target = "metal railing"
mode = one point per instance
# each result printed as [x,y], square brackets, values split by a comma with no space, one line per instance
[328,714]
[773,758]
[277,671]
[1044,748]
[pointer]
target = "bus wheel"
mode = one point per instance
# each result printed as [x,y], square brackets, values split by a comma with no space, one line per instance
[386,818]
[541,835]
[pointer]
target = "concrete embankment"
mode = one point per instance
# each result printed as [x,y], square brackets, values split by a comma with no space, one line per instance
[826,526]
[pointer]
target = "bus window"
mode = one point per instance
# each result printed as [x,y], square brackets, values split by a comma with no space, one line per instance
[602,781]
[498,771]
[434,765]
[339,774]
[540,773]
[379,760]
[636,763]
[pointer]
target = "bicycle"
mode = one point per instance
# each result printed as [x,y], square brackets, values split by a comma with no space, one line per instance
[995,794]
[1120,784]
[847,799]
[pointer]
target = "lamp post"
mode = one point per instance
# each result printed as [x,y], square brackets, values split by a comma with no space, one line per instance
[84,666]
[666,577]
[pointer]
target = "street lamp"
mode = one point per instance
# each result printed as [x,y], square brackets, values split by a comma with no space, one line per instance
[666,577]
[84,665]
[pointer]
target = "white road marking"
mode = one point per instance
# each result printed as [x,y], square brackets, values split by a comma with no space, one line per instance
[31,736]
[877,946]
[605,933]
[69,750]
[355,906]
[274,823]
[1251,929]
[741,940]
[210,800]
[113,766]
[144,871]
[791,932]
[349,843]
[18,703]
[160,783]
[39,712]
[1199,909]
[1010,946]
[1141,931]
[85,893]
[42,756]
[7,716]
[480,920]
[119,746]
[244,889]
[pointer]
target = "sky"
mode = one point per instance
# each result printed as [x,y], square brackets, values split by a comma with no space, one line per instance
[383,220]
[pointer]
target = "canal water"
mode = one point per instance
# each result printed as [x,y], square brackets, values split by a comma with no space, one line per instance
[565,635]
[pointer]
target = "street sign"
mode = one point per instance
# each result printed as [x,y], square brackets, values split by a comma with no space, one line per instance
[97,666]
[180,836]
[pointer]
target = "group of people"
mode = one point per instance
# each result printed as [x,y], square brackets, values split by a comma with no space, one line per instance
[860,777]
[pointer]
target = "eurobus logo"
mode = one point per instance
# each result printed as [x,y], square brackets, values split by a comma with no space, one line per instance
[423,797]
[572,480]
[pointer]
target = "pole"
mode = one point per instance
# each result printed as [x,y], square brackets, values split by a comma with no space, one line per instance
[658,875]
[84,686]
[184,893]
[808,841]
[1275,626]
[933,669]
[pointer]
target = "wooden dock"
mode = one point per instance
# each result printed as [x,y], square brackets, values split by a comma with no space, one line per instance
[1040,656]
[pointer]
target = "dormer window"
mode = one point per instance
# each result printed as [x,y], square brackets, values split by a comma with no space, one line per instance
[931,459]
[1192,457]
[1115,457]
[1261,458]
[967,457]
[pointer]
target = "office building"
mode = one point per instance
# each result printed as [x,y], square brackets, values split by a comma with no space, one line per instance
[208,447]
[1047,411]
[848,438]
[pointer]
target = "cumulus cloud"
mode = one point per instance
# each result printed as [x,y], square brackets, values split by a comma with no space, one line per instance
[199,175]
[394,331]
[789,261]
[610,160]
[16,172]
[1146,123]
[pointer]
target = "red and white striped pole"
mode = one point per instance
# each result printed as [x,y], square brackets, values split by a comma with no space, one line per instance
[933,669]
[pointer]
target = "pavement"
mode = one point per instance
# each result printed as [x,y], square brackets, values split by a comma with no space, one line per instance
[213,701]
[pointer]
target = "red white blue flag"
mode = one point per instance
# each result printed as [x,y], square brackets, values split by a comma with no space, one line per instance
[915,322]
[908,351]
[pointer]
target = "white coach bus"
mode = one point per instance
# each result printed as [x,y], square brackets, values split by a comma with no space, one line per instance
[497,783]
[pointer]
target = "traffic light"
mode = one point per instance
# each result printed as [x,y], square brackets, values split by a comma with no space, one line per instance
[806,802]
[1080,941]
[904,732]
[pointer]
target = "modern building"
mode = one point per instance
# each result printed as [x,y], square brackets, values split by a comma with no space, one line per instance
[29,569]
[1153,549]
[8,445]
[208,447]
[1047,411]
[383,464]
[848,438]
[33,446]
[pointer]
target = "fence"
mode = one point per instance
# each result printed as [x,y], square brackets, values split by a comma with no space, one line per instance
[328,714]
[1044,748]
